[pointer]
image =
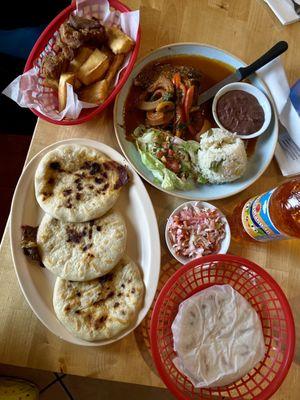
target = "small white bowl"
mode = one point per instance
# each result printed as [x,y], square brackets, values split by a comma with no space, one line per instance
[202,204]
[261,98]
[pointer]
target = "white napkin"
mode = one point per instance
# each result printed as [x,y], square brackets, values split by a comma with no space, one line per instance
[288,148]
[284,11]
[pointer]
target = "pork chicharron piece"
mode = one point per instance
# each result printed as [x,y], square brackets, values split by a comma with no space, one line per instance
[73,33]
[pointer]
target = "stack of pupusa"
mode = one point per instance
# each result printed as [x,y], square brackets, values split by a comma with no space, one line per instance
[99,290]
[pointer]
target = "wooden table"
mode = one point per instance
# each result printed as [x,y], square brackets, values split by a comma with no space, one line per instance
[244,27]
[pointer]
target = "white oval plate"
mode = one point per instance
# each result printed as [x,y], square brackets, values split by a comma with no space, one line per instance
[257,163]
[143,243]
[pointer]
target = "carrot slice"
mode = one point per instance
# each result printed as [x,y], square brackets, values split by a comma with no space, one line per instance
[176,79]
[188,101]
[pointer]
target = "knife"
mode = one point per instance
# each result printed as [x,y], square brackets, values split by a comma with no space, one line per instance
[244,72]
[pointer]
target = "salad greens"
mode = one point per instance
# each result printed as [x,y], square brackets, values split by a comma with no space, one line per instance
[172,161]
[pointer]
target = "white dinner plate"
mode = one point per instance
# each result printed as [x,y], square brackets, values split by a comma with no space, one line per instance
[143,244]
[257,163]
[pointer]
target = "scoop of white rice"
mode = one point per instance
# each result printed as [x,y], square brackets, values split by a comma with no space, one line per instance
[222,156]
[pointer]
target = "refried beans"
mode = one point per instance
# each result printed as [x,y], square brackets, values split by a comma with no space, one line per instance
[240,112]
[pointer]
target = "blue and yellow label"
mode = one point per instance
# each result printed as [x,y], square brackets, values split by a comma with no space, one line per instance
[257,221]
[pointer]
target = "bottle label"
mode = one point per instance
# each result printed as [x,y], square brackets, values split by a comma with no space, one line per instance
[257,221]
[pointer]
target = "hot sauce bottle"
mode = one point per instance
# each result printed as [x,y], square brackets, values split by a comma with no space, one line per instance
[270,216]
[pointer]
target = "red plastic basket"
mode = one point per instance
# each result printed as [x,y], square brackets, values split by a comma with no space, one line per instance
[87,113]
[264,294]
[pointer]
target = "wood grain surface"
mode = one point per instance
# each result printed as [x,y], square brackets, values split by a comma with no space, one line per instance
[244,27]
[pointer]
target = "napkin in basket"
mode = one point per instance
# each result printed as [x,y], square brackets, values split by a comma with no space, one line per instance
[28,90]
[287,151]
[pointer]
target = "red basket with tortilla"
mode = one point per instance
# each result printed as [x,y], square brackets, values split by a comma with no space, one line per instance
[263,294]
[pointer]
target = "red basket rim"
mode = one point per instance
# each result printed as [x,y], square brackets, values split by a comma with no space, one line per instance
[43,40]
[278,379]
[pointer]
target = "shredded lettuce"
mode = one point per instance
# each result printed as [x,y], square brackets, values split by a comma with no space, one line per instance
[150,141]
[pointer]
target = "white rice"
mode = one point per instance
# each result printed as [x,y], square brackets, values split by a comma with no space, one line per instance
[222,156]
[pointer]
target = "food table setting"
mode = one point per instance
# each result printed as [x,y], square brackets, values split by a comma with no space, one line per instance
[228,32]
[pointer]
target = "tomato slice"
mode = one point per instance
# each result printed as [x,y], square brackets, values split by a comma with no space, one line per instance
[173,165]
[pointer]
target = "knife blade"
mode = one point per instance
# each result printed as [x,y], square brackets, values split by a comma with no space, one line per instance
[211,92]
[243,72]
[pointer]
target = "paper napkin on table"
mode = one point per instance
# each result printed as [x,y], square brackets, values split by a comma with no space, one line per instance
[284,11]
[287,151]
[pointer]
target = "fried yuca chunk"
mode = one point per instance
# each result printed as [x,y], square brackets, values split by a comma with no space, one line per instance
[116,64]
[82,55]
[98,91]
[95,93]
[118,41]
[93,68]
[65,78]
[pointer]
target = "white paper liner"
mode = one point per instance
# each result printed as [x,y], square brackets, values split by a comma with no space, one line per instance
[27,90]
[217,336]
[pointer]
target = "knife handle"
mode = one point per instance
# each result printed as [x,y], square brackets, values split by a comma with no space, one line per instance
[274,52]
